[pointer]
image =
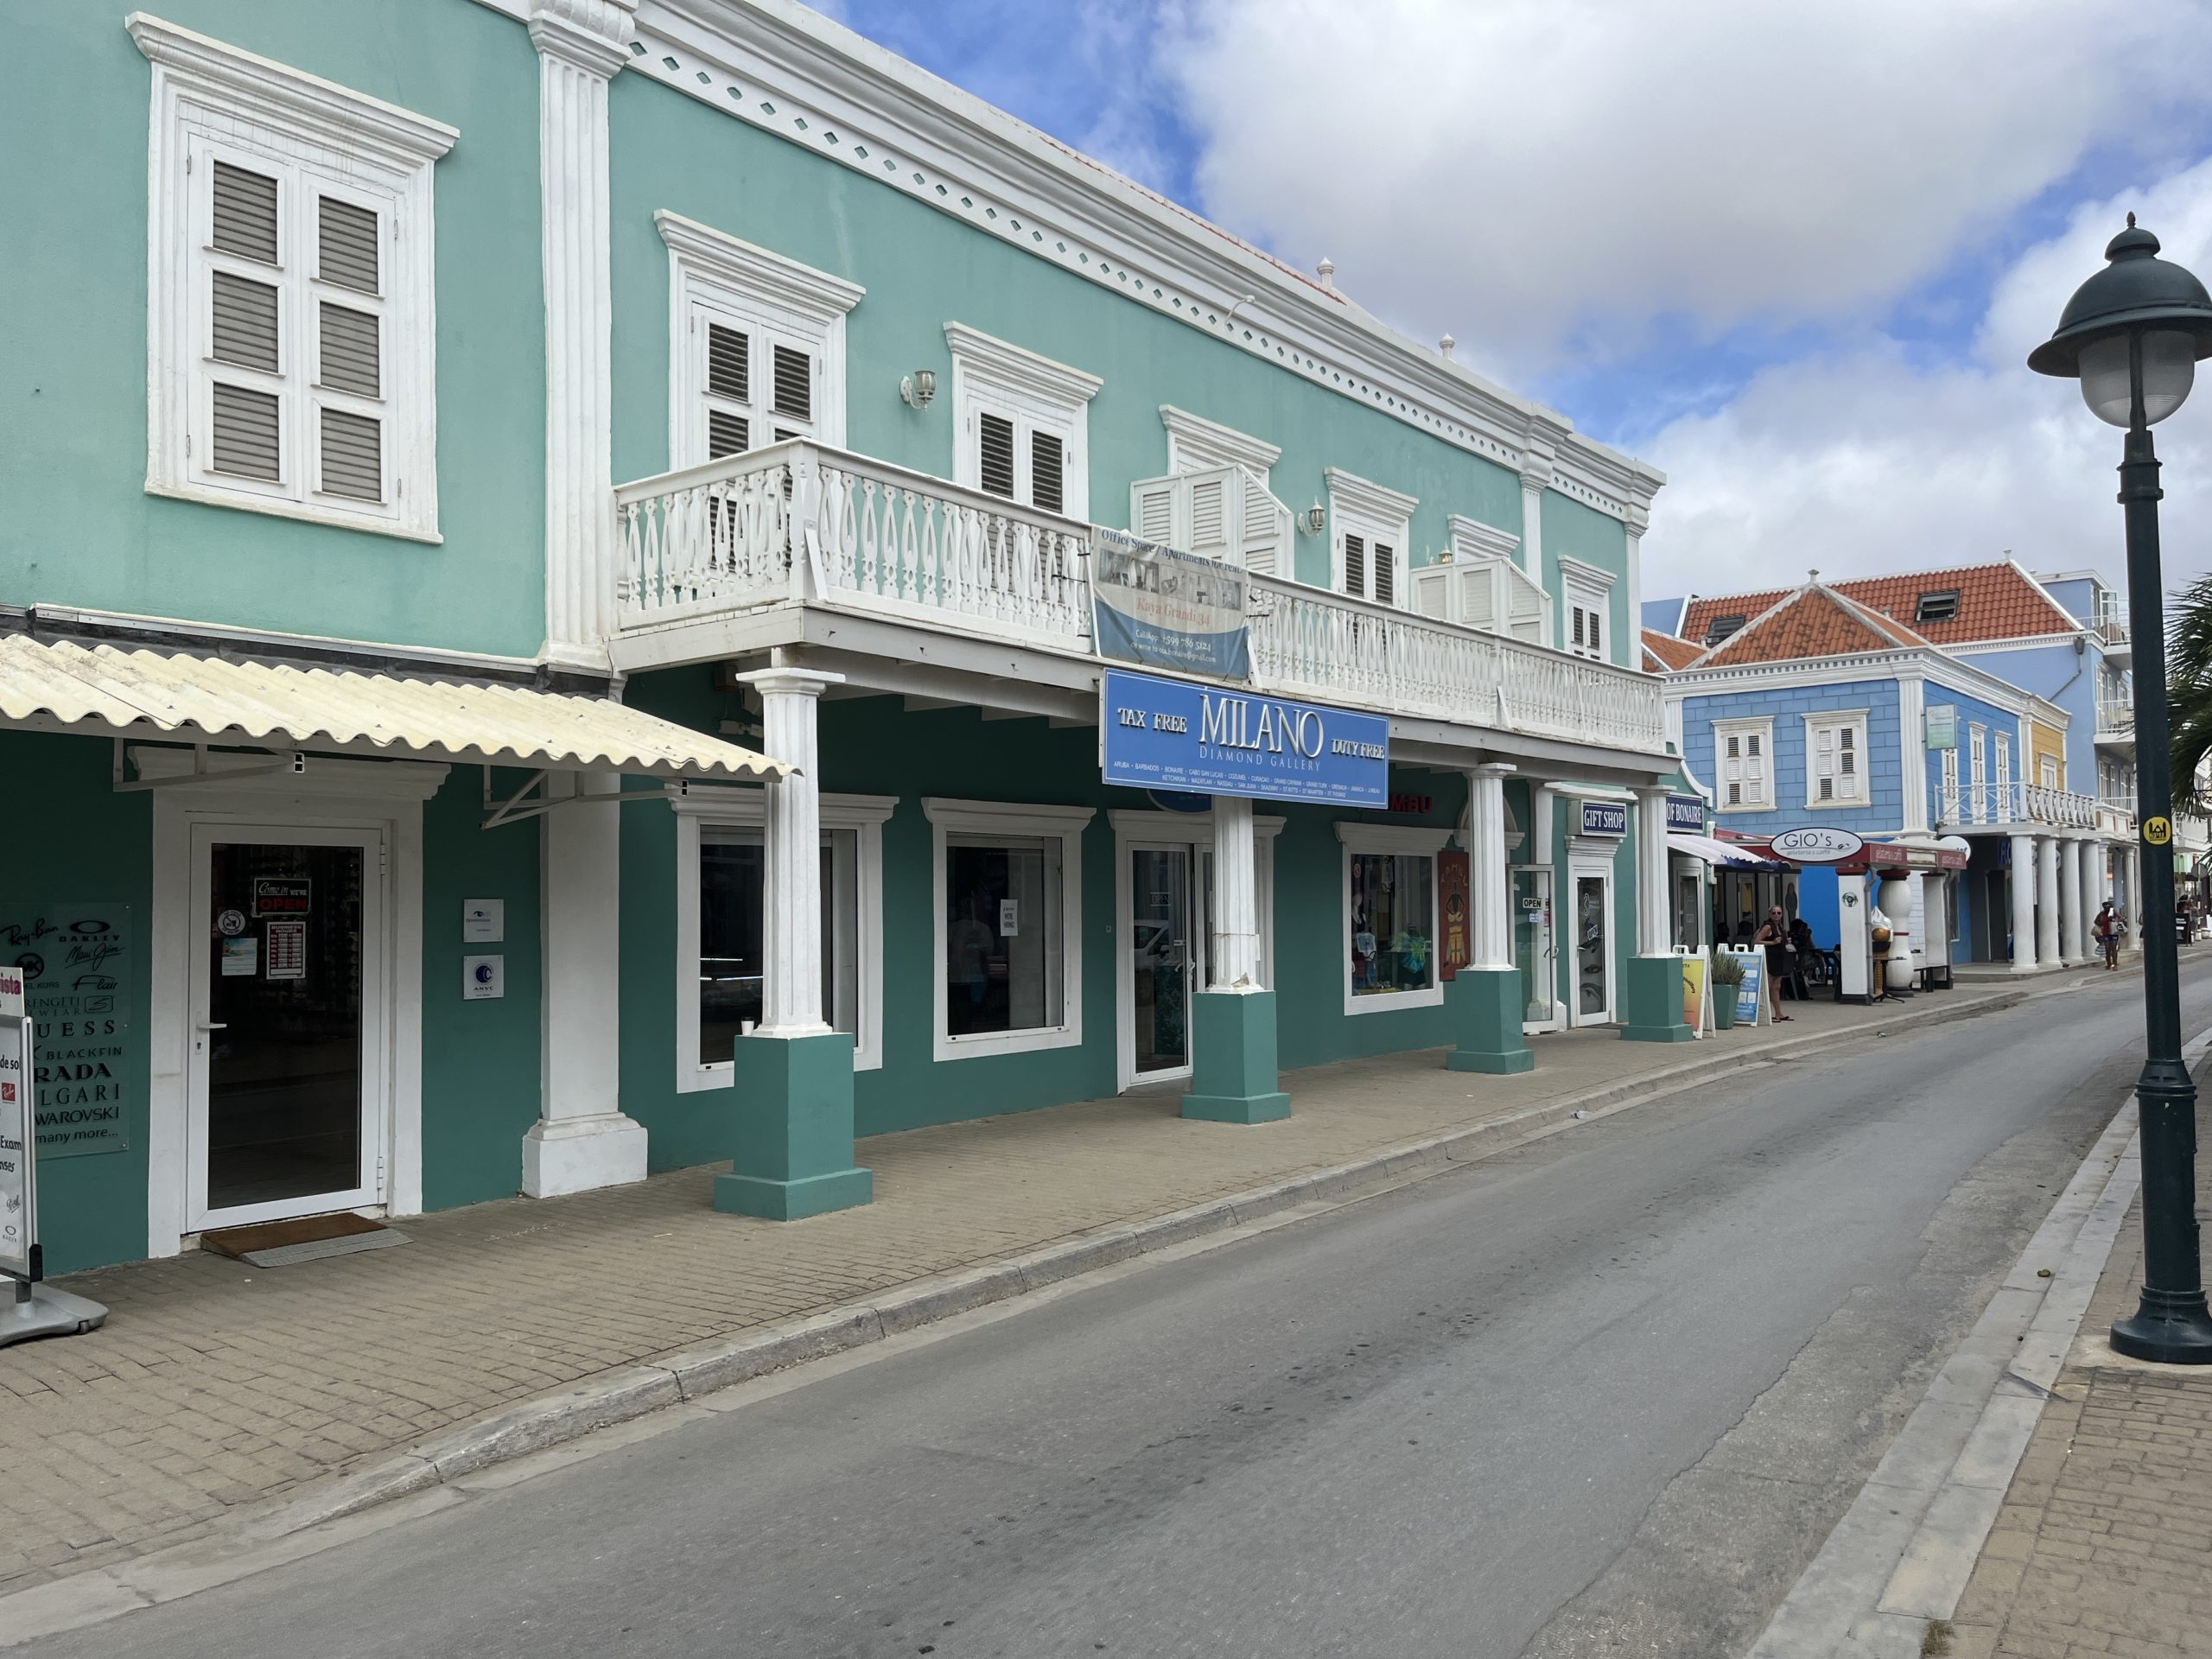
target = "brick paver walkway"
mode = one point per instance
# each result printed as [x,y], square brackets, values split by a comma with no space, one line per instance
[215,1385]
[2104,1545]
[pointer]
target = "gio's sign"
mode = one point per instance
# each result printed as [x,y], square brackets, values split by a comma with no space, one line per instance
[1816,845]
[1171,735]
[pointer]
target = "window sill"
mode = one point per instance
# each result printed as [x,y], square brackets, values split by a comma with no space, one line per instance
[1382,1001]
[306,512]
[1008,1042]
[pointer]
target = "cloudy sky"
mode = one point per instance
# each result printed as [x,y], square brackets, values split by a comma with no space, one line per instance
[1791,251]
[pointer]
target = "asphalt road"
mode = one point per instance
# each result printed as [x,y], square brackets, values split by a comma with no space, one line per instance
[1604,1395]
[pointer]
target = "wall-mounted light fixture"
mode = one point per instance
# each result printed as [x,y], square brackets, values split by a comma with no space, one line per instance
[1314,519]
[919,387]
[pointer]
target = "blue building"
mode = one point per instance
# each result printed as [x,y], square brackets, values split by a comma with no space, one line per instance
[1822,706]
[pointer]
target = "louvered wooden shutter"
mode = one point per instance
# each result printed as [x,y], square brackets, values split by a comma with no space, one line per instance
[1596,640]
[1524,606]
[1354,565]
[1433,593]
[1267,527]
[246,436]
[352,455]
[1209,516]
[245,323]
[1152,509]
[793,392]
[729,381]
[351,359]
[1386,575]
[1047,471]
[345,245]
[245,213]
[994,440]
[1478,597]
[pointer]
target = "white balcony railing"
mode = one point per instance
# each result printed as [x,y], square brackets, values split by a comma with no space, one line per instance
[1968,805]
[799,523]
[2116,719]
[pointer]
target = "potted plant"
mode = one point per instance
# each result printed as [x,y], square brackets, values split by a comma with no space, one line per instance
[1727,978]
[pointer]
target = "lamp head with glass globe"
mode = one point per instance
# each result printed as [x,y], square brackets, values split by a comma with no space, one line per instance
[2138,302]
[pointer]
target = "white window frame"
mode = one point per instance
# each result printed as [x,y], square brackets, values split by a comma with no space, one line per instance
[713,276]
[695,807]
[1400,840]
[1362,507]
[1196,444]
[2047,772]
[1588,589]
[1065,823]
[213,101]
[1038,394]
[1761,727]
[1839,720]
[1946,783]
[2004,761]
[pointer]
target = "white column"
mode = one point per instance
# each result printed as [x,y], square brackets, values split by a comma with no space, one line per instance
[581,45]
[2136,922]
[1490,893]
[1651,930]
[581,1138]
[2047,900]
[791,991]
[2024,904]
[1236,897]
[2072,944]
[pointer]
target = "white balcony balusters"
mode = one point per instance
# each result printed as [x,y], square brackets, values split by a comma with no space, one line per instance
[799,523]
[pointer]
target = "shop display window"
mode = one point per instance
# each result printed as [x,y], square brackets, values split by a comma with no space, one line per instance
[1004,953]
[1393,922]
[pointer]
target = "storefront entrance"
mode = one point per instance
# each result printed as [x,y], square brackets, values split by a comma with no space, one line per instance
[1534,953]
[284,1084]
[1591,998]
[1164,930]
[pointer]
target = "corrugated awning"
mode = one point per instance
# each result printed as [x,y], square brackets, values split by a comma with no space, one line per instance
[1713,851]
[143,694]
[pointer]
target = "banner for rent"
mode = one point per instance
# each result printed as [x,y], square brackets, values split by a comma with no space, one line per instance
[1153,605]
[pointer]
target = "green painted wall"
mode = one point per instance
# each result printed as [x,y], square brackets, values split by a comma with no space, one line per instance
[922,268]
[480,1060]
[80,529]
[74,841]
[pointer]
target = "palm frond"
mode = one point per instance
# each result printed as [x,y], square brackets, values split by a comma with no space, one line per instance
[2189,632]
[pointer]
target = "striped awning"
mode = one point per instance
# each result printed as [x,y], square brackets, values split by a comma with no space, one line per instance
[1713,851]
[103,691]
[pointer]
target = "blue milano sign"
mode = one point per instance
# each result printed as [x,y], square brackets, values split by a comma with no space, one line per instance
[1160,735]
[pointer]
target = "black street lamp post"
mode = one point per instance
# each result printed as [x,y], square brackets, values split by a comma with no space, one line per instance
[2132,335]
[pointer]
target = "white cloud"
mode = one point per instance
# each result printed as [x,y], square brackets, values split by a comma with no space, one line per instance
[1542,175]
[1862,459]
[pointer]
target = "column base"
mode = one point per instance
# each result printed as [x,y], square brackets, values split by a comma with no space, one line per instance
[580,1154]
[2025,967]
[1651,1000]
[1233,1073]
[1486,1011]
[792,1148]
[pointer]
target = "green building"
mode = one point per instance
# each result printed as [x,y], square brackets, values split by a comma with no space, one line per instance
[425,423]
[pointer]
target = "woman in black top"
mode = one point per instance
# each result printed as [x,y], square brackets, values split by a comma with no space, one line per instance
[1774,936]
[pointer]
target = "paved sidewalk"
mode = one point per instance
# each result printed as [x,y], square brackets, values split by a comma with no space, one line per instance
[2104,1544]
[215,1386]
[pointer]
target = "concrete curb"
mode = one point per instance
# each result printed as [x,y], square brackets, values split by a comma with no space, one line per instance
[617,1396]
[415,1480]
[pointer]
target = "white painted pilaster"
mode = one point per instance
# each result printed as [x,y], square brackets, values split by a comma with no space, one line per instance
[790,992]
[581,1138]
[2136,922]
[1544,808]
[1490,888]
[1235,917]
[2047,900]
[2023,883]
[1652,933]
[1535,474]
[1912,743]
[2073,942]
[580,44]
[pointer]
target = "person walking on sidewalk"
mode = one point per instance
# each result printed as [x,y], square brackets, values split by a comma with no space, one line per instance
[2108,928]
[1774,936]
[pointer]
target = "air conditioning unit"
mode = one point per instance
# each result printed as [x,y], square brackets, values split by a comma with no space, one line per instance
[1493,594]
[1219,512]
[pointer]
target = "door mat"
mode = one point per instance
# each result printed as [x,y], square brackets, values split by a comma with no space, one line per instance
[309,1238]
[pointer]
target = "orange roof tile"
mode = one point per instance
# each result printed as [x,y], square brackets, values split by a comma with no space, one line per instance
[1669,650]
[1996,601]
[1815,622]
